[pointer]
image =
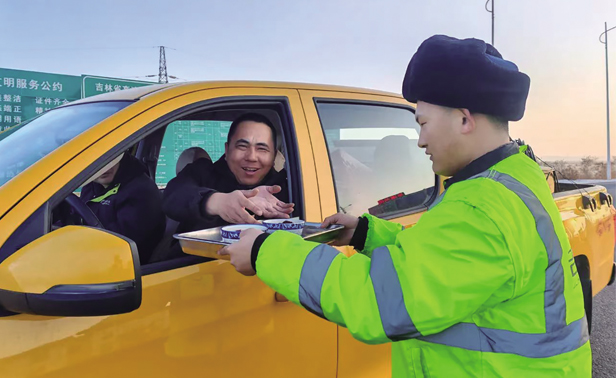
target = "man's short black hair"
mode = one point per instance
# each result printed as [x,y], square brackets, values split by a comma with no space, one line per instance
[500,122]
[254,117]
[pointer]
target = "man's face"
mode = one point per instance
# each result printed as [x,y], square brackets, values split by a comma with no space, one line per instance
[250,153]
[440,136]
[106,178]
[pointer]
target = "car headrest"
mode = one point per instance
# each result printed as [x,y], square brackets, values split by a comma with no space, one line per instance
[393,149]
[279,161]
[190,155]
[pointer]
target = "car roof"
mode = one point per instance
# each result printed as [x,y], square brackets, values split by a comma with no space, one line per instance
[140,92]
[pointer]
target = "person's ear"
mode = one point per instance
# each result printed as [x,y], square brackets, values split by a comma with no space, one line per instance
[468,121]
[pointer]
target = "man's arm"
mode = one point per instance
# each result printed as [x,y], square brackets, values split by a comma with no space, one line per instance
[435,275]
[373,232]
[184,197]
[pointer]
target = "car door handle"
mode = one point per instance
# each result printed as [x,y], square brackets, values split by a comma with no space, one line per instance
[280,298]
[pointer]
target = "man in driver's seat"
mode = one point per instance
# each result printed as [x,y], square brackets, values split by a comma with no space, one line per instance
[128,202]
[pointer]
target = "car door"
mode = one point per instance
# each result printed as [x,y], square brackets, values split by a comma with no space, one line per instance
[200,319]
[367,160]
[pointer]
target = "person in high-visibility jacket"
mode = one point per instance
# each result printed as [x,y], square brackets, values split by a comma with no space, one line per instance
[484,285]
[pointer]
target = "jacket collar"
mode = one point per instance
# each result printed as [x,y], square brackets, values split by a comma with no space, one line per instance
[483,163]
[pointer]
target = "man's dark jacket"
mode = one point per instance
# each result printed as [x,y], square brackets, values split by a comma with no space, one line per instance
[135,211]
[185,196]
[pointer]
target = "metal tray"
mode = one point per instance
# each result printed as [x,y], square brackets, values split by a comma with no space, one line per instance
[207,243]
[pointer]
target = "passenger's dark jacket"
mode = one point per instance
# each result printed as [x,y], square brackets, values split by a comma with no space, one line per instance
[185,196]
[135,211]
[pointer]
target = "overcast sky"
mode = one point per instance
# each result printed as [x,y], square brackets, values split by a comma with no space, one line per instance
[355,43]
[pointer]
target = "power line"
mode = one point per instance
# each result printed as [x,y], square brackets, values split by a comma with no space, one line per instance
[74,48]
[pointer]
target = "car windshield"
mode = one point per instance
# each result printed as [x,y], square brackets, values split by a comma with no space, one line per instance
[27,143]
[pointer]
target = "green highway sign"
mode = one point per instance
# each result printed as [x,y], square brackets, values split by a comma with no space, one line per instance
[95,85]
[180,135]
[26,94]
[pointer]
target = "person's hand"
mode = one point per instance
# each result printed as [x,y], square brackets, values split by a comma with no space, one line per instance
[232,206]
[348,221]
[240,251]
[271,206]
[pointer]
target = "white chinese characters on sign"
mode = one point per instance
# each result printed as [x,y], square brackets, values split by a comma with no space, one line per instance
[57,86]
[7,98]
[45,86]
[9,82]
[22,83]
[38,110]
[99,87]
[16,98]
[33,84]
[39,100]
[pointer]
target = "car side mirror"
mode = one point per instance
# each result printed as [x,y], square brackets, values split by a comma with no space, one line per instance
[72,271]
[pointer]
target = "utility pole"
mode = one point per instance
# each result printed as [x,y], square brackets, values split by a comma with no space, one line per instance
[491,10]
[607,99]
[163,78]
[162,67]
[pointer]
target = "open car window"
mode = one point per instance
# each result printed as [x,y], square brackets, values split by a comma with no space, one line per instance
[376,162]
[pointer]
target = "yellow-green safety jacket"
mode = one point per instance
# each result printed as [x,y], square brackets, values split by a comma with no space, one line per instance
[484,285]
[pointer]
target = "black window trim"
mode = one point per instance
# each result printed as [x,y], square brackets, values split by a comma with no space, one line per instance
[289,139]
[395,214]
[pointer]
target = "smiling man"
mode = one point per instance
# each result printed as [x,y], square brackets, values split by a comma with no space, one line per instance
[206,194]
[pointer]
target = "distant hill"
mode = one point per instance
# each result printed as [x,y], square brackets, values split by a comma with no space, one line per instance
[563,158]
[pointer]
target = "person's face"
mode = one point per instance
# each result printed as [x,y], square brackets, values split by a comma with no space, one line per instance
[250,153]
[440,135]
[106,178]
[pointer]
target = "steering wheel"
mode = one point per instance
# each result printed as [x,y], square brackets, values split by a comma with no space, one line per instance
[88,216]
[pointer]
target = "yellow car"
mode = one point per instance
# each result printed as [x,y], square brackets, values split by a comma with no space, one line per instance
[75,301]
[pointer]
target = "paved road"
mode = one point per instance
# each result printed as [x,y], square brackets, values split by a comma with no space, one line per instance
[603,336]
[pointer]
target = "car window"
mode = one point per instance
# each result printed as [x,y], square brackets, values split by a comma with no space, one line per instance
[27,143]
[182,135]
[376,163]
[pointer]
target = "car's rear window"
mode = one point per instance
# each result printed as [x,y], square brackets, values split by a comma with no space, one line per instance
[27,143]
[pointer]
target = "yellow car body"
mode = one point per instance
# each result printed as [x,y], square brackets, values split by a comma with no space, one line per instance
[201,319]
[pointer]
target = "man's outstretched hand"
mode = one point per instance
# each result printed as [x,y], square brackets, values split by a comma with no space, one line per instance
[232,206]
[270,206]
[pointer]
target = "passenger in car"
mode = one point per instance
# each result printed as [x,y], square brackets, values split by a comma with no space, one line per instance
[128,202]
[206,194]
